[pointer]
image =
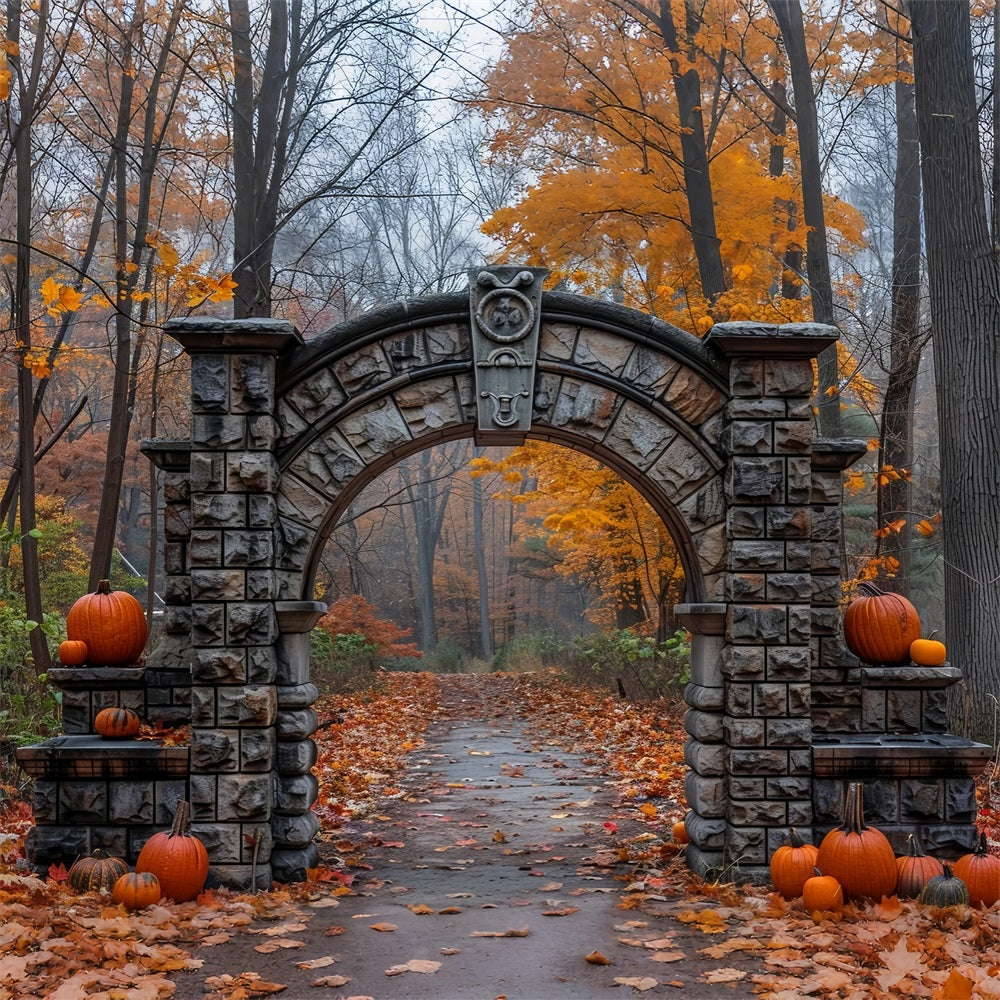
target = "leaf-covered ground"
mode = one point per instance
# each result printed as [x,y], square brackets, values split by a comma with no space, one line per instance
[675,931]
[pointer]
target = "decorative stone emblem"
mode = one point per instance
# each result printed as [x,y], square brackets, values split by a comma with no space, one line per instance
[505,307]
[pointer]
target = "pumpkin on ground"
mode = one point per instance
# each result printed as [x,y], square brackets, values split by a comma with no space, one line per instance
[822,894]
[679,832]
[980,871]
[880,627]
[858,856]
[915,869]
[135,890]
[792,865]
[73,652]
[178,859]
[116,723]
[944,890]
[111,623]
[95,874]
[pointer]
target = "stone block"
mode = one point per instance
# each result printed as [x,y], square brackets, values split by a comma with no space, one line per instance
[263,432]
[743,663]
[799,624]
[708,699]
[787,663]
[788,588]
[788,522]
[745,586]
[825,588]
[825,558]
[704,726]
[257,749]
[251,623]
[788,377]
[295,758]
[755,479]
[261,585]
[249,548]
[83,803]
[756,408]
[296,724]
[244,797]
[295,794]
[294,831]
[800,813]
[770,700]
[706,796]
[203,798]
[221,840]
[215,749]
[112,841]
[798,480]
[176,522]
[218,510]
[758,762]
[691,397]
[746,378]
[756,556]
[873,710]
[638,436]
[792,436]
[800,762]
[960,800]
[219,665]
[47,845]
[757,623]
[251,472]
[293,864]
[217,430]
[745,522]
[706,759]
[902,711]
[297,695]
[755,813]
[739,700]
[262,664]
[789,732]
[646,368]
[315,396]
[881,802]
[251,383]
[177,590]
[45,801]
[208,473]
[750,437]
[826,621]
[798,556]
[742,787]
[934,711]
[799,702]
[130,803]
[746,846]
[836,720]
[247,706]
[262,510]
[682,469]
[744,732]
[167,796]
[920,801]
[708,834]
[787,788]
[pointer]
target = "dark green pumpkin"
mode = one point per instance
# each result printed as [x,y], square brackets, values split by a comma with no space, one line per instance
[944,890]
[95,874]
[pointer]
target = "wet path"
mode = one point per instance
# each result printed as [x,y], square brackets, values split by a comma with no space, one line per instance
[494,872]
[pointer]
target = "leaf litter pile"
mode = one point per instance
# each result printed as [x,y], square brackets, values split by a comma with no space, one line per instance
[726,937]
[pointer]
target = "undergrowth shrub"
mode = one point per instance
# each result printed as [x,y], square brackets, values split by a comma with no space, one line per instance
[635,666]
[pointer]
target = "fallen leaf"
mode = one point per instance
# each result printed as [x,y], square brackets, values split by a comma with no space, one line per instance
[278,944]
[420,909]
[723,976]
[335,982]
[642,983]
[499,837]
[384,927]
[450,951]
[955,987]
[316,963]
[515,932]
[450,910]
[596,958]
[564,912]
[667,956]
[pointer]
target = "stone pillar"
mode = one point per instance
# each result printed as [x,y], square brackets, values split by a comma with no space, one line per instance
[766,657]
[233,484]
[294,824]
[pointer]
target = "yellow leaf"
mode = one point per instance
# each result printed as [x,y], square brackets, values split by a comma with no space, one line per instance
[596,958]
[924,527]
[169,257]
[69,298]
[224,289]
[50,290]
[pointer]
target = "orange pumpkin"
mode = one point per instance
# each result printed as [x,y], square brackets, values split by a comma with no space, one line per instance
[135,890]
[822,894]
[928,652]
[980,871]
[95,874]
[859,857]
[792,865]
[680,833]
[915,869]
[72,652]
[178,859]
[111,623]
[880,627]
[116,723]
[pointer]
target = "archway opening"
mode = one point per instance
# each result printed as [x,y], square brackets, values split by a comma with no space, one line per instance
[508,558]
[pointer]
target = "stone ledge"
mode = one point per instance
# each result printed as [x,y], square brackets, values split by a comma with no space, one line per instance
[90,757]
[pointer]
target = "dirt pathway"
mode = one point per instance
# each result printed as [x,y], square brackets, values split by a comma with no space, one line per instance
[494,874]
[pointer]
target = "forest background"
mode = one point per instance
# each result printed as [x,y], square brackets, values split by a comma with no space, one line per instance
[700,160]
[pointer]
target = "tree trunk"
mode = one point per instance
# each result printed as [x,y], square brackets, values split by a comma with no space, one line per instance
[964,283]
[482,578]
[788,14]
[894,496]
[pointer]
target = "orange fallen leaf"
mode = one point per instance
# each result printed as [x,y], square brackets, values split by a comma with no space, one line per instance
[955,987]
[514,932]
[334,982]
[641,983]
[564,912]
[383,927]
[277,944]
[420,909]
[596,958]
[450,910]
[316,963]
[499,837]
[333,930]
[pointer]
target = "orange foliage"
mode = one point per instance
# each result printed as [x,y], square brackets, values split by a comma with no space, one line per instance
[353,615]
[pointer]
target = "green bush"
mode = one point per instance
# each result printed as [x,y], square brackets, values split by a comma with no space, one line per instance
[341,663]
[528,653]
[447,657]
[635,666]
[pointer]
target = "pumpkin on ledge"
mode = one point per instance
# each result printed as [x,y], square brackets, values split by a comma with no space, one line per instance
[880,627]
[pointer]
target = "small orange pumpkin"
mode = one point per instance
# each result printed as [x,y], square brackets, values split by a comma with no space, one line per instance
[879,627]
[178,859]
[980,871]
[929,652]
[822,894]
[116,723]
[111,623]
[95,874]
[680,833]
[915,869]
[792,865]
[73,652]
[135,890]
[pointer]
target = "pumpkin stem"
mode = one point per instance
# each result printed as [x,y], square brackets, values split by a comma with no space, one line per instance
[854,817]
[104,587]
[794,839]
[981,848]
[913,846]
[870,589]
[182,818]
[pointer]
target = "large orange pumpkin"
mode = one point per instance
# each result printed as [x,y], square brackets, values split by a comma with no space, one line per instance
[879,627]
[980,871]
[178,859]
[111,623]
[859,857]
[792,865]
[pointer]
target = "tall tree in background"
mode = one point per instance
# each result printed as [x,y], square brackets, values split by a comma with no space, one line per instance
[964,282]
